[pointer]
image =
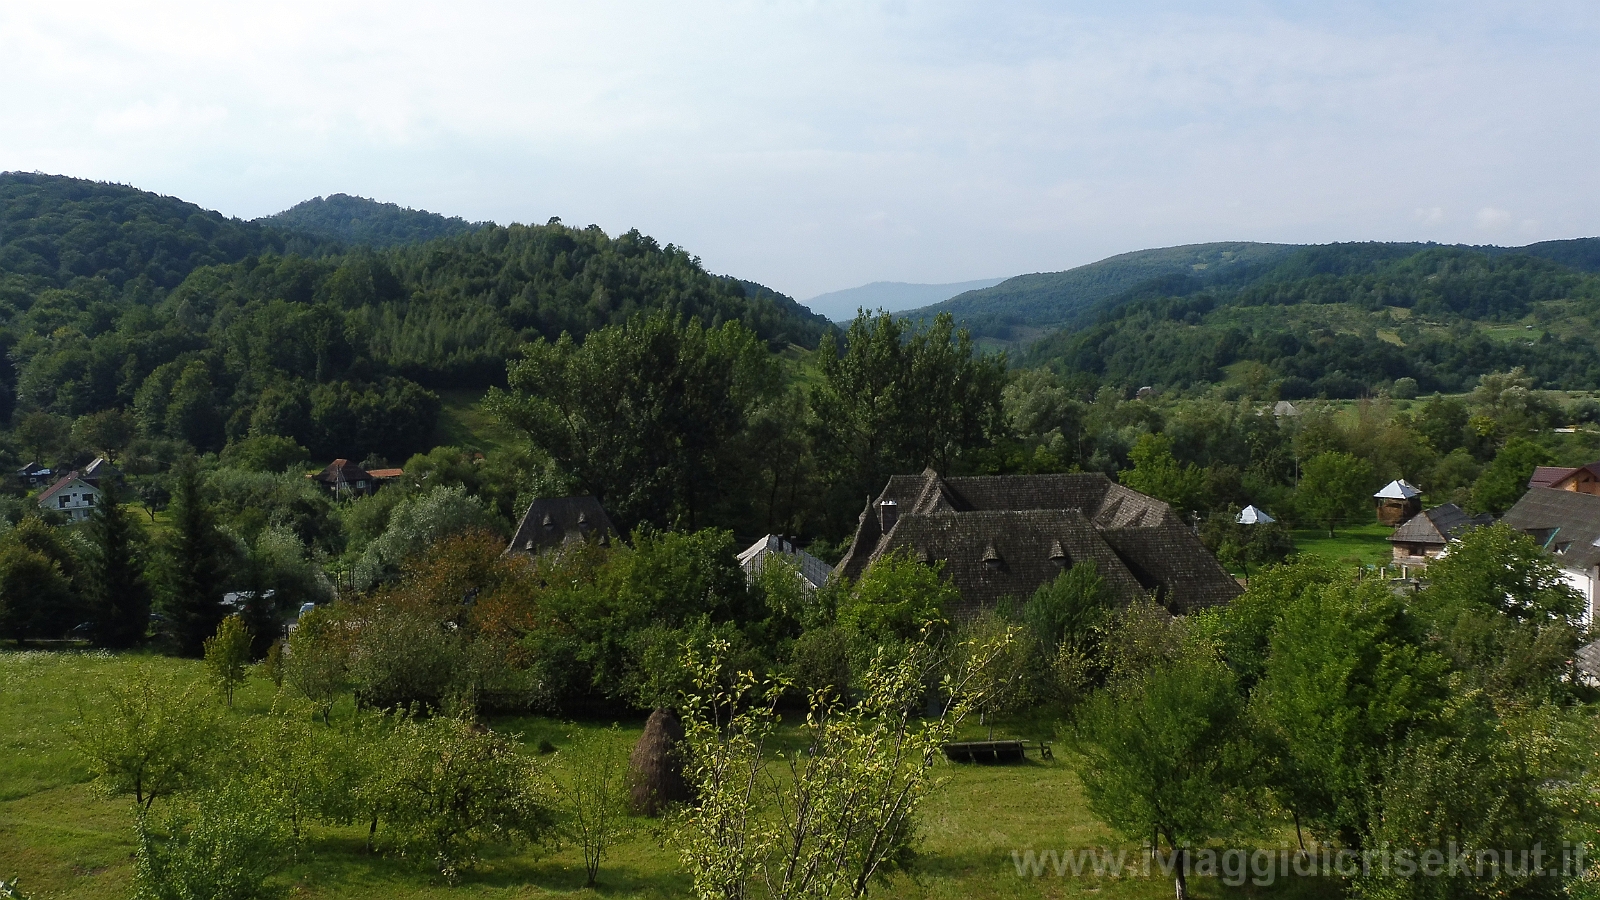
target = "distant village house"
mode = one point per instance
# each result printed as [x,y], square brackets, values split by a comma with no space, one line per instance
[344,478]
[1424,537]
[76,493]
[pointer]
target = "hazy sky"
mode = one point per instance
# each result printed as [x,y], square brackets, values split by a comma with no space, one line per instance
[819,145]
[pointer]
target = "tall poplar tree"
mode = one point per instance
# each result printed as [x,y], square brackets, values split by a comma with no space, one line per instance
[118,593]
[192,566]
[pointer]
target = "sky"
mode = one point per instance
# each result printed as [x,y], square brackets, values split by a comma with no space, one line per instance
[815,146]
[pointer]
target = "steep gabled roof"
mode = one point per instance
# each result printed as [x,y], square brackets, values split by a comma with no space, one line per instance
[61,484]
[99,469]
[754,557]
[1170,562]
[1547,476]
[1438,525]
[1004,536]
[351,473]
[553,521]
[1567,523]
[1106,503]
[1020,544]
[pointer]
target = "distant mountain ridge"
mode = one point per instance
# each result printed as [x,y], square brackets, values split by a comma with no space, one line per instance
[358,220]
[891,296]
[1021,309]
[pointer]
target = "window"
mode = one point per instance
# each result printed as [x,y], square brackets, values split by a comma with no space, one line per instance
[88,499]
[61,501]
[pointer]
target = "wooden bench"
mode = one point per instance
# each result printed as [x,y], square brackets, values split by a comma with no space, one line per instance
[986,751]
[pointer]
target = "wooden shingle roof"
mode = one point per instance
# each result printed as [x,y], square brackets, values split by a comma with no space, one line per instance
[1438,525]
[1567,523]
[553,521]
[1004,536]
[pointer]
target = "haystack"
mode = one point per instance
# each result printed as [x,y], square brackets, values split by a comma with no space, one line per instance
[655,769]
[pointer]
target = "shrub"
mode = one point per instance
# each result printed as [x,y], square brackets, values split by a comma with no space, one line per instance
[227,848]
[317,660]
[148,739]
[227,653]
[454,787]
[593,787]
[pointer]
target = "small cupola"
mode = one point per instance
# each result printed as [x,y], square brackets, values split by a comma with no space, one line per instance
[888,514]
[991,559]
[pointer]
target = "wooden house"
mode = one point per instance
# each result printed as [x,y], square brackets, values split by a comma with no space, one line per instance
[1580,479]
[1004,536]
[1424,537]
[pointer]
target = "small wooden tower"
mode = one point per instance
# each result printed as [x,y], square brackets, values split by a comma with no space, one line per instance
[1397,503]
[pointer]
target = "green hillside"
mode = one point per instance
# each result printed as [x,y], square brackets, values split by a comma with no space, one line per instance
[1018,308]
[203,329]
[357,220]
[1344,320]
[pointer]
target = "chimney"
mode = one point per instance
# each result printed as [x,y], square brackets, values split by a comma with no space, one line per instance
[888,514]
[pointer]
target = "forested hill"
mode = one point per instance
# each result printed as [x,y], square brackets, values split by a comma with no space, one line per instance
[1019,307]
[54,230]
[1343,320]
[205,328]
[357,221]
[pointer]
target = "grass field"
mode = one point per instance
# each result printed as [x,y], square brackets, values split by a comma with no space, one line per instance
[464,423]
[64,840]
[1365,544]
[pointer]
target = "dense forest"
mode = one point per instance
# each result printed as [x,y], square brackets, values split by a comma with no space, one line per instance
[358,221]
[202,330]
[1342,321]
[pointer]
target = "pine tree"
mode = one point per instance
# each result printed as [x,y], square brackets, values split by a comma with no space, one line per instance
[192,567]
[118,593]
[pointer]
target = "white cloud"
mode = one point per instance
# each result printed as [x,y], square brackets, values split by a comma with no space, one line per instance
[819,145]
[1492,219]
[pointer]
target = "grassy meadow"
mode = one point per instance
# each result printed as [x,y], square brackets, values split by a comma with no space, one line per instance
[62,839]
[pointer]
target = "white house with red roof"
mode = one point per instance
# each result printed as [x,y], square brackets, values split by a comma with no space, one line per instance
[72,496]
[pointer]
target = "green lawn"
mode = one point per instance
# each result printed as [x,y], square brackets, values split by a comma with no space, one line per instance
[63,840]
[1366,544]
[464,423]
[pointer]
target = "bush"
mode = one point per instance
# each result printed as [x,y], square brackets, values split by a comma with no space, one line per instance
[227,653]
[227,848]
[820,660]
[149,739]
[593,785]
[455,787]
[316,661]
